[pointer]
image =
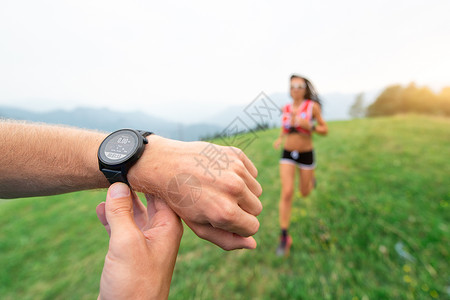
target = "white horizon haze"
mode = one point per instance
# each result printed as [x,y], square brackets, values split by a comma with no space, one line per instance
[182,60]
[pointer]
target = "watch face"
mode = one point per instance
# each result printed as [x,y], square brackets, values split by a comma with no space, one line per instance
[119,147]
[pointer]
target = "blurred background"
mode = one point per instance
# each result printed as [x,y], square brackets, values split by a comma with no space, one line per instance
[187,69]
[377,226]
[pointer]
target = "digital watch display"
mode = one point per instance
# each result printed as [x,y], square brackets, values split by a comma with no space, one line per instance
[119,151]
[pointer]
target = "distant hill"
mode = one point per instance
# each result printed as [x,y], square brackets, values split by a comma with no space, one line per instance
[109,120]
[335,107]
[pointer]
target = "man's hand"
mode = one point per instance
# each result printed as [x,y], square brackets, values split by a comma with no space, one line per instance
[143,246]
[212,188]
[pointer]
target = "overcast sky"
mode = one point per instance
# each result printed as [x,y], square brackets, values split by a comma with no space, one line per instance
[175,57]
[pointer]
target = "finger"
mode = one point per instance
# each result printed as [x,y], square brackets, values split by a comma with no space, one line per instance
[252,183]
[139,211]
[250,203]
[163,221]
[247,162]
[156,205]
[100,210]
[223,239]
[119,208]
[101,215]
[233,219]
[151,209]
[245,189]
[160,204]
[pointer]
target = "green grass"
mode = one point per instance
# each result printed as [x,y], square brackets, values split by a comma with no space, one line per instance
[380,181]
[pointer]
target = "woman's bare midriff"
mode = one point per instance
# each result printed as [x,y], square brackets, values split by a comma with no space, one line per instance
[298,142]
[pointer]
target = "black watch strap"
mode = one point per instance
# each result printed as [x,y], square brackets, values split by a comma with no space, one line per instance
[144,133]
[114,176]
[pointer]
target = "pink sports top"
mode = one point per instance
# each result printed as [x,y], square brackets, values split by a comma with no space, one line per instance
[304,112]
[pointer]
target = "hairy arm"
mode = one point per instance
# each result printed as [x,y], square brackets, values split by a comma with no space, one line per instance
[39,159]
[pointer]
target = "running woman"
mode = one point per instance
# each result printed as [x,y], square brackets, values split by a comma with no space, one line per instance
[301,118]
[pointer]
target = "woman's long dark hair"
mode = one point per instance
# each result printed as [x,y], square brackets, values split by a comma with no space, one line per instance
[311,92]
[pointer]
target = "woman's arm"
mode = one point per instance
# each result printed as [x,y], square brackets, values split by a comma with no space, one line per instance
[280,140]
[321,127]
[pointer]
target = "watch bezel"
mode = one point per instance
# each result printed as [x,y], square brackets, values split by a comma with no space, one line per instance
[130,158]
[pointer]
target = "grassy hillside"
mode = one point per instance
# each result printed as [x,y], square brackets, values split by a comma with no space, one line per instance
[381,182]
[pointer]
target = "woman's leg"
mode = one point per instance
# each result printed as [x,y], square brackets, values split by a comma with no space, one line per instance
[306,183]
[287,175]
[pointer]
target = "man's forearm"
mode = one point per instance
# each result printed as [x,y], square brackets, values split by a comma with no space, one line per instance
[40,159]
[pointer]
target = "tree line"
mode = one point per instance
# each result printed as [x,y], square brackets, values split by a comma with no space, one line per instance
[397,99]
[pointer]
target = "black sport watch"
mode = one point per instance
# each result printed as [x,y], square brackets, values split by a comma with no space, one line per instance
[119,151]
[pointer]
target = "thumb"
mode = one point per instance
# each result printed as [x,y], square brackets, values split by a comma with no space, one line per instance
[119,207]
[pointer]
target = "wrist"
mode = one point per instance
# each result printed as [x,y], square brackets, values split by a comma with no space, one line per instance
[144,175]
[98,177]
